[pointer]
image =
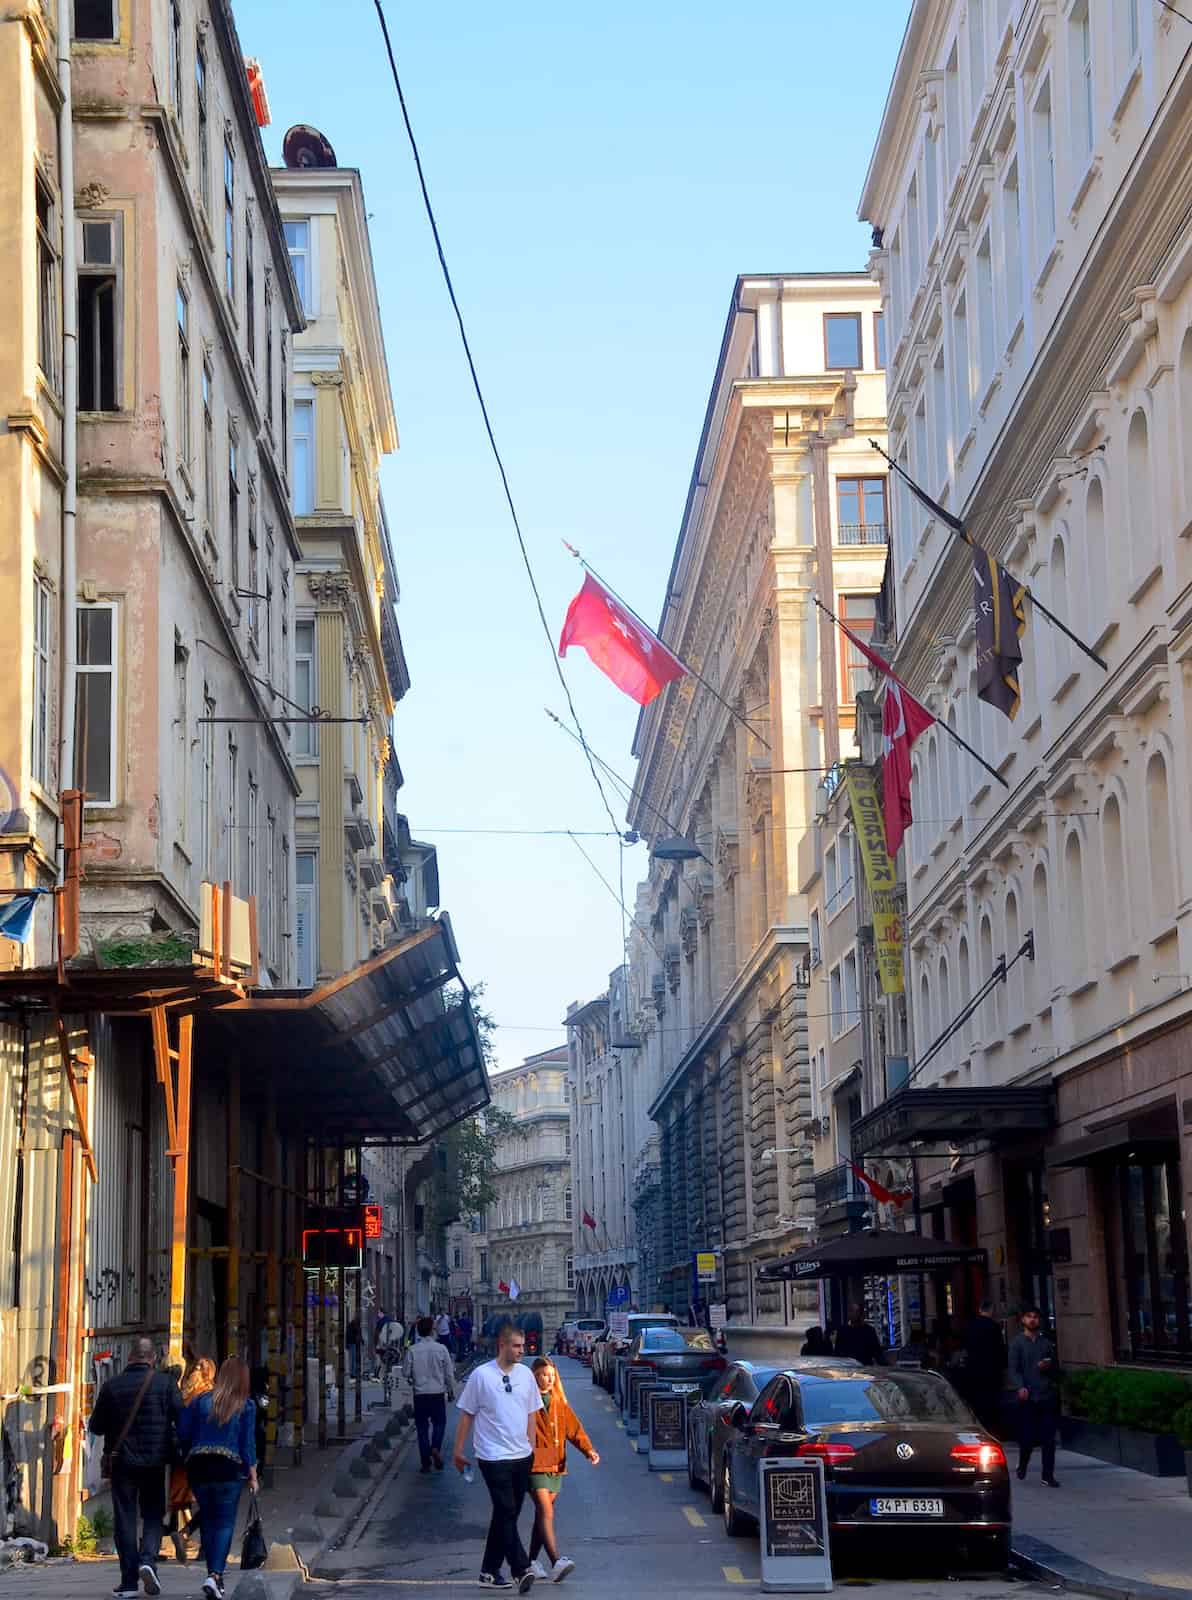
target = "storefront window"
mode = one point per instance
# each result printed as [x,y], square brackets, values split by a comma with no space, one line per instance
[1154,1259]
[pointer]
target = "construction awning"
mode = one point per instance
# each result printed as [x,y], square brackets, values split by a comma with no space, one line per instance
[881,1253]
[379,1056]
[919,1121]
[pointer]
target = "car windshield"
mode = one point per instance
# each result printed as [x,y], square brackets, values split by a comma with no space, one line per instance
[585,1324]
[894,1397]
[677,1339]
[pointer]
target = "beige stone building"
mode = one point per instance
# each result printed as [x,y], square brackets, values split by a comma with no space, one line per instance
[787,504]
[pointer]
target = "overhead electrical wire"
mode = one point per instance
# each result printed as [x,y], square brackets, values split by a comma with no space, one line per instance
[488,426]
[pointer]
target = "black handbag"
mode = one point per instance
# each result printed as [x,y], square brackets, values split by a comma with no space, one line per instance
[254,1548]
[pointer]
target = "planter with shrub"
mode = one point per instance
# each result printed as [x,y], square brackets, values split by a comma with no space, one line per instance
[1129,1418]
[1182,1423]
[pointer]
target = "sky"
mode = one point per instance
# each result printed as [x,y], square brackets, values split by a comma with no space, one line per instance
[601,176]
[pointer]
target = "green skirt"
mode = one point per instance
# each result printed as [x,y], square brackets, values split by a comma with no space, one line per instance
[546,1480]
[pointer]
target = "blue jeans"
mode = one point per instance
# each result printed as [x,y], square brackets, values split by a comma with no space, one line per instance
[218,1504]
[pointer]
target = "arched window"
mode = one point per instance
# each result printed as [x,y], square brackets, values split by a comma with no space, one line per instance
[991,1018]
[1185,382]
[1097,556]
[953,803]
[1060,603]
[964,980]
[945,1011]
[1117,900]
[1140,495]
[1158,824]
[925,1020]
[1042,932]
[933,813]
[569,1265]
[1076,925]
[1015,993]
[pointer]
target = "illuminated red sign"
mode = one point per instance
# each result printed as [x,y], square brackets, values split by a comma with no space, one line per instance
[371,1216]
[332,1247]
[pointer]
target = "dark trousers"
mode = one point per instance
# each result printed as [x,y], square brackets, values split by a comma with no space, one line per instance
[986,1401]
[218,1503]
[508,1483]
[137,1492]
[1037,1423]
[430,1419]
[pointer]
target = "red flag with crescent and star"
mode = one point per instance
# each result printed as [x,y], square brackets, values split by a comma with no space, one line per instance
[589,1221]
[624,649]
[880,1193]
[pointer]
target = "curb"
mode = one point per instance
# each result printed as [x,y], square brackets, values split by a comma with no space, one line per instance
[1053,1566]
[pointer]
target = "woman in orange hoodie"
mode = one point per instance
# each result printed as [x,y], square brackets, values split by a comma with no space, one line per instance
[557,1426]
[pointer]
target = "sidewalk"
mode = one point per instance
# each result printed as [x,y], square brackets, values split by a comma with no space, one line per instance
[309,1508]
[1107,1531]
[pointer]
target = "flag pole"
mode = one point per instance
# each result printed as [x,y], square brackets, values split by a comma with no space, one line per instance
[942,726]
[686,665]
[961,532]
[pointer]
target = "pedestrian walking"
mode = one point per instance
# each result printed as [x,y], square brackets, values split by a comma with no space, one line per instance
[985,1366]
[465,1335]
[198,1378]
[218,1432]
[430,1373]
[816,1343]
[556,1427]
[137,1412]
[858,1339]
[443,1329]
[1034,1368]
[352,1340]
[501,1401]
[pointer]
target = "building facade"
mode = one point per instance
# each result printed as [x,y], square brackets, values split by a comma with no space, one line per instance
[1029,192]
[787,506]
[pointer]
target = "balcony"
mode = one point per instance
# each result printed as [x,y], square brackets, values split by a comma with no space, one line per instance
[841,1199]
[862,533]
[372,871]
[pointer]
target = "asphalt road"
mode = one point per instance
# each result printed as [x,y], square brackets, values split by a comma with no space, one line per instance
[625,1527]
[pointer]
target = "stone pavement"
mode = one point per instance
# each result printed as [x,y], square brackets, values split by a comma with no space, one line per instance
[309,1508]
[1107,1530]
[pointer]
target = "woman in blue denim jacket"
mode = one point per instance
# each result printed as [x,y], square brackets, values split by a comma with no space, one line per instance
[217,1431]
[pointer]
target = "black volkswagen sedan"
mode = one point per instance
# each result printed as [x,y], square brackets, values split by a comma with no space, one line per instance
[900,1449]
[707,1421]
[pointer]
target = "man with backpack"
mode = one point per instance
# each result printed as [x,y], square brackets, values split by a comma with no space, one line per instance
[137,1413]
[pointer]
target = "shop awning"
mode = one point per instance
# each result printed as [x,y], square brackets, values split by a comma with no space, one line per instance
[880,1253]
[1148,1134]
[919,1121]
[379,1056]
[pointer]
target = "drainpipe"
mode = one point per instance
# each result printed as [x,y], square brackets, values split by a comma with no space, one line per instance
[70,405]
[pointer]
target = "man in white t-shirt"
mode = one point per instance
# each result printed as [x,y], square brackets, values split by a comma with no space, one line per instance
[501,1400]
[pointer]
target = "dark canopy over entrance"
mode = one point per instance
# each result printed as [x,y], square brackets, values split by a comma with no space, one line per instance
[877,1254]
[917,1121]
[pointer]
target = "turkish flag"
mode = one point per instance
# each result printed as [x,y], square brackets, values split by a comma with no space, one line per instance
[589,1221]
[903,719]
[502,1287]
[879,1191]
[624,649]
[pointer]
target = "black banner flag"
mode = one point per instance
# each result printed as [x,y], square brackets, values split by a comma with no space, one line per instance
[1000,611]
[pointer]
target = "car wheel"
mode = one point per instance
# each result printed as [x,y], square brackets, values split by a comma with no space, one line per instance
[734,1523]
[715,1481]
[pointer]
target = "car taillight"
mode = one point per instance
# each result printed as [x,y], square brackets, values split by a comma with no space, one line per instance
[979,1457]
[640,1361]
[826,1451]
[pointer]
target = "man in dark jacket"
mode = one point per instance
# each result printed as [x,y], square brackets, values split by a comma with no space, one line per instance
[1034,1368]
[859,1339]
[143,1405]
[985,1366]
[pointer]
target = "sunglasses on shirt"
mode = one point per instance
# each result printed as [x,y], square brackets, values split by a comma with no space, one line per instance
[507,1383]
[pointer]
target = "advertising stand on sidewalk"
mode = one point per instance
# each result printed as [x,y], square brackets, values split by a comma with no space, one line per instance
[666,1415]
[645,1393]
[635,1377]
[796,1558]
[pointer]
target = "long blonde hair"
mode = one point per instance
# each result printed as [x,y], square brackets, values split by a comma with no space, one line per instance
[199,1380]
[545,1361]
[230,1391]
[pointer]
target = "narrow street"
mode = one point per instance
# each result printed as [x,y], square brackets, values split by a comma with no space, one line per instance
[626,1528]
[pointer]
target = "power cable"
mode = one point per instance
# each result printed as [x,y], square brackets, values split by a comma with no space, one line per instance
[620,899]
[488,427]
[1175,11]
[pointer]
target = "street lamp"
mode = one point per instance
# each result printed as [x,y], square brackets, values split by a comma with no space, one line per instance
[785,1150]
[677,848]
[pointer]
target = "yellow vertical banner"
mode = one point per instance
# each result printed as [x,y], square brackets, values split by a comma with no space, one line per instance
[880,877]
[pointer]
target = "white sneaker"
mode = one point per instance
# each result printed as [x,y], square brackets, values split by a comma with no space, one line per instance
[562,1567]
[538,1569]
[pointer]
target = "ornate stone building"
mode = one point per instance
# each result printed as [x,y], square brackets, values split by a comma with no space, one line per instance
[787,504]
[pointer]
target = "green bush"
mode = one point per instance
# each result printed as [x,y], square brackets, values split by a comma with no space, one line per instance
[84,1540]
[1148,1401]
[102,1523]
[1181,1425]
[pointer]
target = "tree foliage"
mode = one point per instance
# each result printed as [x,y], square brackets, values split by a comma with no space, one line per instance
[472,1144]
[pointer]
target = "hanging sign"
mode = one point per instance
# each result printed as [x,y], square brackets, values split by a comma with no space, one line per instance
[794,1526]
[880,877]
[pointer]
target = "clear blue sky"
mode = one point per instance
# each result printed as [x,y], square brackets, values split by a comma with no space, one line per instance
[601,176]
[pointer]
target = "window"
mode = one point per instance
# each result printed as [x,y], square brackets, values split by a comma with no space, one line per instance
[1012,248]
[931,182]
[861,510]
[230,820]
[254,573]
[96,19]
[181,764]
[233,513]
[914,243]
[986,330]
[1159,851]
[842,339]
[849,995]
[284,923]
[961,379]
[567,1204]
[976,25]
[1150,1288]
[176,59]
[298,244]
[252,885]
[269,354]
[250,296]
[208,450]
[204,140]
[1083,85]
[814,939]
[569,1262]
[43,634]
[207,788]
[835,1002]
[304,457]
[857,612]
[96,708]
[939,416]
[879,339]
[47,284]
[306,921]
[268,602]
[269,900]
[229,219]
[482,1268]
[285,410]
[953,132]
[1043,152]
[305,687]
[182,313]
[457,1257]
[99,314]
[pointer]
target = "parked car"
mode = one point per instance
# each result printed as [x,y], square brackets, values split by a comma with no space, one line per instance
[682,1357]
[606,1350]
[570,1332]
[708,1423]
[900,1450]
[530,1323]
